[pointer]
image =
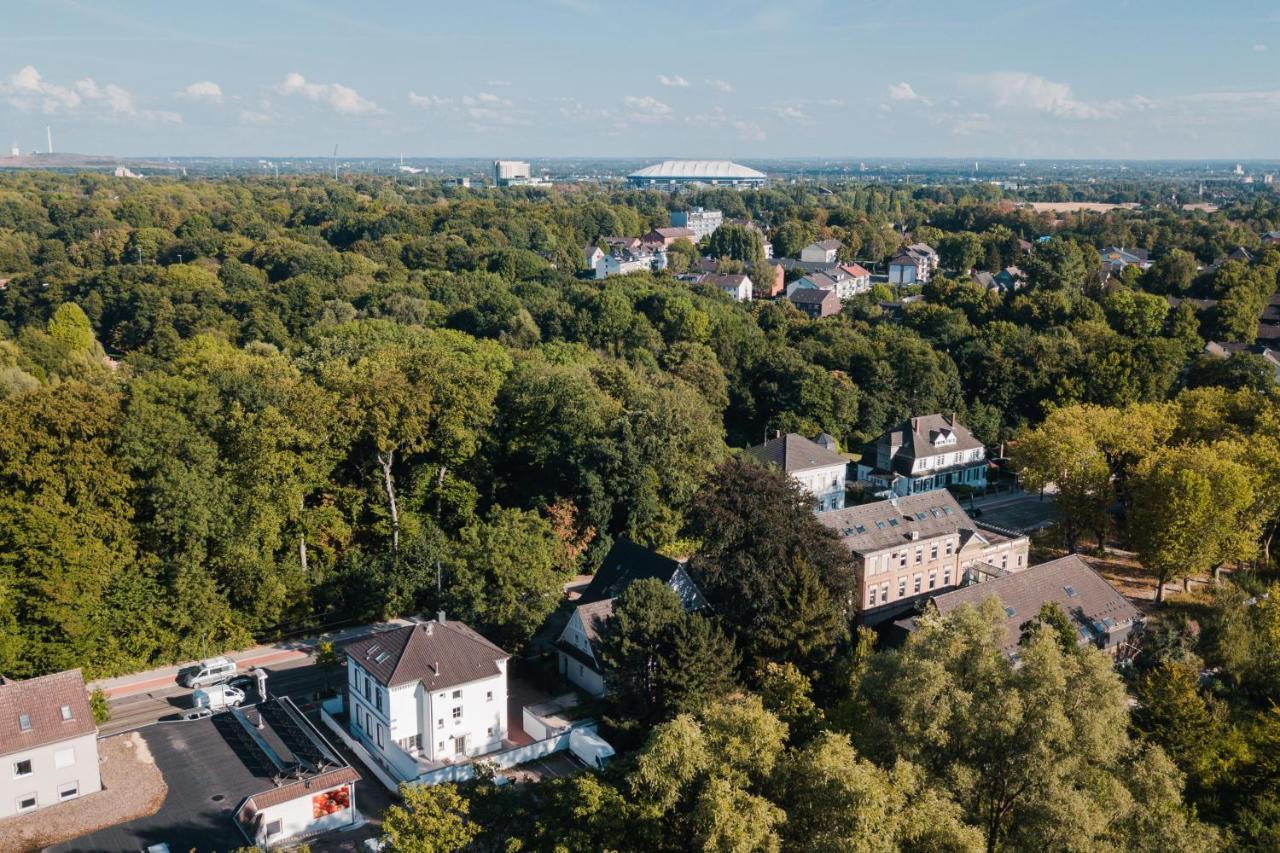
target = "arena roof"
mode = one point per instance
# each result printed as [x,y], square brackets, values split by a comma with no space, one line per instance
[695,169]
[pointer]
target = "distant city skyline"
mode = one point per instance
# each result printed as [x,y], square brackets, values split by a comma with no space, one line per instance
[749,79]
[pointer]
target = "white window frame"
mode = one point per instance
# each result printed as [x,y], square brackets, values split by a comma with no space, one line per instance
[21,809]
[68,791]
[31,768]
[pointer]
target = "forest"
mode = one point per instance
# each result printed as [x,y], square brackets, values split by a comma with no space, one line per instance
[244,409]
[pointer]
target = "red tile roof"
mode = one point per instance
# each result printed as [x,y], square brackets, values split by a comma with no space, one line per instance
[41,700]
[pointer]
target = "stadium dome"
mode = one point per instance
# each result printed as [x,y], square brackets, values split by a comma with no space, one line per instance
[697,171]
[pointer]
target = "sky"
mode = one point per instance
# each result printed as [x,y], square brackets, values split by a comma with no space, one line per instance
[734,79]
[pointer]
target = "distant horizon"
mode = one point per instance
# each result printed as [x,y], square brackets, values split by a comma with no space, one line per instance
[572,79]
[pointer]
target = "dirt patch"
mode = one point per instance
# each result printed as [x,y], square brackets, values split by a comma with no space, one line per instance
[131,787]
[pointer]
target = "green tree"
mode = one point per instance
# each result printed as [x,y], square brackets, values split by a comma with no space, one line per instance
[430,819]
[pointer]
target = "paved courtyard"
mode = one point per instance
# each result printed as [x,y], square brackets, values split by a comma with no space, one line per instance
[1023,513]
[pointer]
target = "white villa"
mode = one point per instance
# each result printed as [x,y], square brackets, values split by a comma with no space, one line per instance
[427,695]
[815,465]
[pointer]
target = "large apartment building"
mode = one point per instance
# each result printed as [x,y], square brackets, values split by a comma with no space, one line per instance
[909,548]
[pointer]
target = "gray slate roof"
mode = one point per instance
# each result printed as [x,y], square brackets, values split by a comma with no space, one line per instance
[41,701]
[915,437]
[440,654]
[794,453]
[872,527]
[627,563]
[1089,600]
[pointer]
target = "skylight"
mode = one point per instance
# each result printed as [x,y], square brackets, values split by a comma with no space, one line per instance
[920,516]
[861,528]
[66,712]
[946,510]
[1071,591]
[893,522]
[382,657]
[1009,612]
[880,525]
[24,723]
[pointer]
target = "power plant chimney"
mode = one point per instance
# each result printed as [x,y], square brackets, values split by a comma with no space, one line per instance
[48,131]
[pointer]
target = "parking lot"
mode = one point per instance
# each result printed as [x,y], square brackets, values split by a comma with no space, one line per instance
[1023,514]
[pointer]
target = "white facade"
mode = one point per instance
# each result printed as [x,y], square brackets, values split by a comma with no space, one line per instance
[510,170]
[407,724]
[626,262]
[52,773]
[280,823]
[703,223]
[583,670]
[817,253]
[826,484]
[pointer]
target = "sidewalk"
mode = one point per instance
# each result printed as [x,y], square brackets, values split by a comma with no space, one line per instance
[285,650]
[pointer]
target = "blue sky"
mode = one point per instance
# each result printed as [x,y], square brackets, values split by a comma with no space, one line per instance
[737,78]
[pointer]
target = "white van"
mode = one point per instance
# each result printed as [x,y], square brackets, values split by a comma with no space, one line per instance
[212,671]
[217,697]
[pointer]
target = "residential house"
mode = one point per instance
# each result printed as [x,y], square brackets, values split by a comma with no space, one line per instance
[847,281]
[736,285]
[816,303]
[577,646]
[984,278]
[48,742]
[909,548]
[821,252]
[662,238]
[1225,350]
[1101,616]
[1010,278]
[815,465]
[629,243]
[1116,258]
[924,453]
[913,265]
[592,256]
[426,694]
[1271,238]
[627,261]
[703,223]
[774,276]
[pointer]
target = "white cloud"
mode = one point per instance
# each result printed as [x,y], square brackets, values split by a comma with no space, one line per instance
[27,90]
[791,112]
[720,85]
[904,92]
[749,130]
[1019,90]
[1259,48]
[498,83]
[339,98]
[205,90]
[427,101]
[647,107]
[674,81]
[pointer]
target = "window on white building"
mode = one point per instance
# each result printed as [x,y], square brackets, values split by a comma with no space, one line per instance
[917,584]
[22,768]
[275,827]
[64,757]
[457,694]
[457,713]
[488,696]
[26,802]
[946,577]
[68,790]
[871,597]
[440,723]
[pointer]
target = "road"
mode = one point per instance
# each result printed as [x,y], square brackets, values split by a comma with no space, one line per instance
[299,679]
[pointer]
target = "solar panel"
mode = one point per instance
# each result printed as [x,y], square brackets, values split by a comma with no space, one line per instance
[295,736]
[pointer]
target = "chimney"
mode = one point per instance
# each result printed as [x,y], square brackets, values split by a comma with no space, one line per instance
[915,424]
[435,667]
[953,419]
[777,433]
[440,616]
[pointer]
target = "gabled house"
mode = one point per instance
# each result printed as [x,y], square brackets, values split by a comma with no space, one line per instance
[846,281]
[1010,278]
[815,465]
[821,252]
[576,646]
[426,694]
[627,261]
[48,742]
[913,265]
[737,285]
[592,256]
[907,549]
[1101,616]
[924,453]
[816,303]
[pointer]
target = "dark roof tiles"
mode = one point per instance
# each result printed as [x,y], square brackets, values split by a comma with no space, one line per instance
[793,453]
[439,654]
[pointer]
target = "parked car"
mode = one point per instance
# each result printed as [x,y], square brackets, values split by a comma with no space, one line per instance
[244,683]
[217,697]
[213,671]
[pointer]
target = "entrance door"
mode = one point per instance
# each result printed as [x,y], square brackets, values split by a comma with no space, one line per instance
[460,745]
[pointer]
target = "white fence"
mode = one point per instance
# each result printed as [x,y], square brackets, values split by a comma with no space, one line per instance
[387,780]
